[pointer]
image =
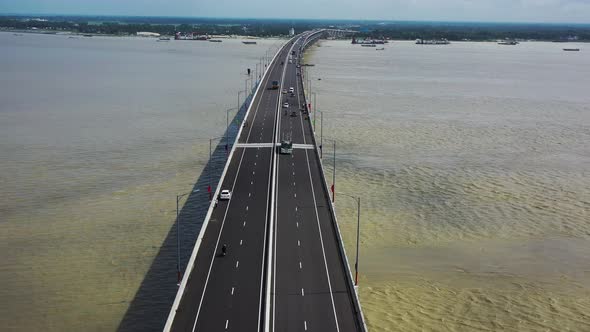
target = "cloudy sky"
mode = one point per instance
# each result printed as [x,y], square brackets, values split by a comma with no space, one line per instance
[438,10]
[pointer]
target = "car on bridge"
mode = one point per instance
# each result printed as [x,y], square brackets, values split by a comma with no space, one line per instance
[225,195]
[286,105]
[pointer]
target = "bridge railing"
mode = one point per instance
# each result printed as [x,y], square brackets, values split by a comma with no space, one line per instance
[344,257]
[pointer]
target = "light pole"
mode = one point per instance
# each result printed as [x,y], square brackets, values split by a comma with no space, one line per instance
[246,83]
[358,225]
[178,197]
[239,97]
[333,171]
[227,127]
[210,189]
[321,134]
[314,110]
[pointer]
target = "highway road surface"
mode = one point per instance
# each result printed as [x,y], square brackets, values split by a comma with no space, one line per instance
[283,270]
[310,286]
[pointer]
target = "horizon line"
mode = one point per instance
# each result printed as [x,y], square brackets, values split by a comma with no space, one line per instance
[287,19]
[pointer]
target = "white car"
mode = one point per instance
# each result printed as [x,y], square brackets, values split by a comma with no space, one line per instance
[286,105]
[225,194]
[284,90]
[291,89]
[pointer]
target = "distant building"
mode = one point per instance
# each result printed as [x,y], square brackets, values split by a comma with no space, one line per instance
[291,32]
[147,34]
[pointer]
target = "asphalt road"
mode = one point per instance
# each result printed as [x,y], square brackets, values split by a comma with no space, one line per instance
[310,290]
[226,293]
[282,229]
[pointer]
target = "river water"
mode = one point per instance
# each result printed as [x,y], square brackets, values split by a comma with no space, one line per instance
[473,164]
[471,160]
[97,137]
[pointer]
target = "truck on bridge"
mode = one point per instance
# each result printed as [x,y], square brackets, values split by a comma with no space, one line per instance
[286,147]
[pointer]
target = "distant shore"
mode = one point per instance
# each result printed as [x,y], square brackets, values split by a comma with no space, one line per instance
[265,28]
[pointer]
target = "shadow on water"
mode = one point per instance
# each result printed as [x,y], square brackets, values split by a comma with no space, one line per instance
[149,308]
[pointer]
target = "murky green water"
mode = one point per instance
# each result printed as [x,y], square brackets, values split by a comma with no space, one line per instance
[473,164]
[97,136]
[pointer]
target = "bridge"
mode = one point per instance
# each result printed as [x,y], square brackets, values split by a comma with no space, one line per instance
[285,268]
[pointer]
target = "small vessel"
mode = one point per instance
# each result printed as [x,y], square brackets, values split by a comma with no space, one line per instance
[164,39]
[368,45]
[215,40]
[507,42]
[432,42]
[249,42]
[380,49]
[571,49]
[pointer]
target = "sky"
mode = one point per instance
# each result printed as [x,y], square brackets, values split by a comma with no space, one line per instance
[550,11]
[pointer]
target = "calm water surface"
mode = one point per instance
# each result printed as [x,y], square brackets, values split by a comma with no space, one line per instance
[473,163]
[97,136]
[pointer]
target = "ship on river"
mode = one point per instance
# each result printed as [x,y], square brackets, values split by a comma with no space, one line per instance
[432,42]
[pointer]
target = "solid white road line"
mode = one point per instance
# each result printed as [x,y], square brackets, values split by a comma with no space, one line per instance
[305,324]
[232,291]
[272,257]
[302,292]
[237,264]
[315,204]
[318,223]
[217,244]
[226,323]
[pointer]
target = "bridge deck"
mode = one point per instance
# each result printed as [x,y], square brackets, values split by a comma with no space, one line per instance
[310,282]
[293,230]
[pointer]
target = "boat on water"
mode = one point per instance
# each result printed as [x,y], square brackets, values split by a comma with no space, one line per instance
[215,40]
[248,42]
[507,42]
[369,41]
[368,45]
[190,36]
[432,42]
[571,49]
[163,39]
[380,49]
